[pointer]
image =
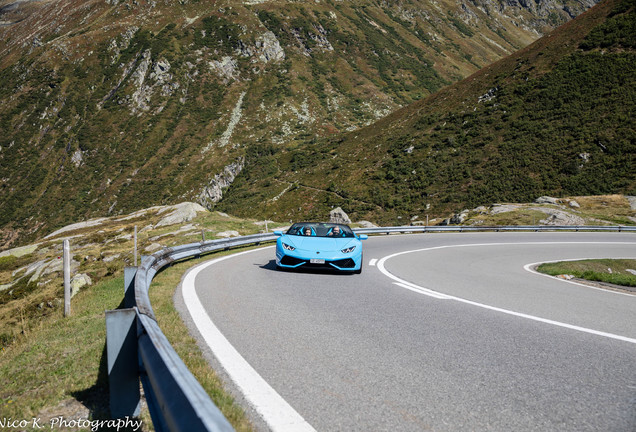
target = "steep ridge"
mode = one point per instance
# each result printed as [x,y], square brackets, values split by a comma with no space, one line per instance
[555,118]
[108,106]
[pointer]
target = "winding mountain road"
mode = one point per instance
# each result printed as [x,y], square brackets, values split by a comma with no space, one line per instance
[442,332]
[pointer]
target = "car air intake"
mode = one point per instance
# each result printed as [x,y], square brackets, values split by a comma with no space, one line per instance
[344,263]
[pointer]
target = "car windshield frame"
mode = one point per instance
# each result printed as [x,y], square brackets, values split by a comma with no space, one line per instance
[320,229]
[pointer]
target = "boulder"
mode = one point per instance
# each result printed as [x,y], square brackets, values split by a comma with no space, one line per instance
[547,200]
[181,213]
[366,224]
[79,281]
[559,217]
[226,68]
[153,247]
[226,234]
[338,215]
[213,192]
[269,47]
[459,218]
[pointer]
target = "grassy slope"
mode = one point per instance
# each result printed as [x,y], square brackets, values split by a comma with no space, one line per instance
[77,371]
[51,365]
[558,123]
[57,359]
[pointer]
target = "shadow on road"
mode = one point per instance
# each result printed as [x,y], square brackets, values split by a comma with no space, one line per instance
[271,265]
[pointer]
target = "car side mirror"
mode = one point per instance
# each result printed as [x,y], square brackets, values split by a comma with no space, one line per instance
[363,236]
[278,233]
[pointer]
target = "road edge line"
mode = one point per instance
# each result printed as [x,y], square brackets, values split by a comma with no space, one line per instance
[274,410]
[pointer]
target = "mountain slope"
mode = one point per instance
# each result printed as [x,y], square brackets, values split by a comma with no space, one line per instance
[555,118]
[111,106]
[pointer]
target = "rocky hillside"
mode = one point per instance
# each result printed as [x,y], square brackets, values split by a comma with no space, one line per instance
[555,118]
[109,106]
[31,276]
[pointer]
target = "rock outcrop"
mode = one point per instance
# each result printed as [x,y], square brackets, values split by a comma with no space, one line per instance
[213,192]
[78,282]
[338,215]
[180,213]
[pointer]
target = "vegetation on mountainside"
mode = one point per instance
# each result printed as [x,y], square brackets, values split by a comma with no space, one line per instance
[554,119]
[107,108]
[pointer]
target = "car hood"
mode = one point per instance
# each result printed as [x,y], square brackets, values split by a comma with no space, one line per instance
[321,243]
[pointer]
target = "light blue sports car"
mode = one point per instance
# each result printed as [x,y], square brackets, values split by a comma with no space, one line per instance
[321,246]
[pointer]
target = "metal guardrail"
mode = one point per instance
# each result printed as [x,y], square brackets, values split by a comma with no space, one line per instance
[176,400]
[138,350]
[476,228]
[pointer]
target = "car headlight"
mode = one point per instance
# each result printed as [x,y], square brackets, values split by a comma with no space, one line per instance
[288,247]
[348,250]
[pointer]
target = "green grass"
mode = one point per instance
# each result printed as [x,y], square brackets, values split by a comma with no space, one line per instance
[595,270]
[55,359]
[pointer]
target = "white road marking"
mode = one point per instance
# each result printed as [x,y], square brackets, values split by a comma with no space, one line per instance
[424,291]
[373,261]
[277,413]
[429,292]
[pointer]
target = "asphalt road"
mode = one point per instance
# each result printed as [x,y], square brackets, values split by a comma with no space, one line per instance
[450,334]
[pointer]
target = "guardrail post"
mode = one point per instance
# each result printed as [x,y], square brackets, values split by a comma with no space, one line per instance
[129,286]
[135,247]
[66,263]
[123,362]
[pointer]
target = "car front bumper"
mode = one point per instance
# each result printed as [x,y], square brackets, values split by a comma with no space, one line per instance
[325,260]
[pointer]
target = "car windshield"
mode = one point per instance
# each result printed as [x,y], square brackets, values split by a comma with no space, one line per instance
[314,229]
